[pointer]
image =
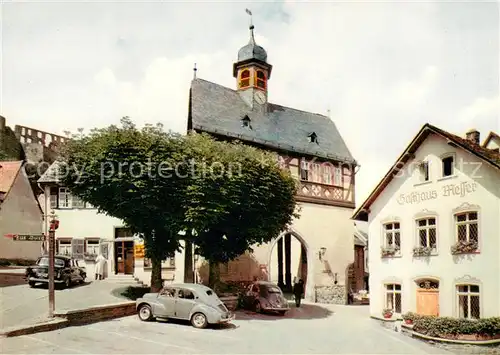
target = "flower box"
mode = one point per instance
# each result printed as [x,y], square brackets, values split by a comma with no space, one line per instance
[462,247]
[387,252]
[422,251]
[387,313]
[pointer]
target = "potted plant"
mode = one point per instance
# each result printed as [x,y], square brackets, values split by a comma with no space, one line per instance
[387,313]
[464,247]
[409,317]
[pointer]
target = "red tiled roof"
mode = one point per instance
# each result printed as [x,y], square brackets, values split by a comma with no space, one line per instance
[8,173]
[490,156]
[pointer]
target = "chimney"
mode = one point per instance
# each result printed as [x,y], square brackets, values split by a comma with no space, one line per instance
[473,136]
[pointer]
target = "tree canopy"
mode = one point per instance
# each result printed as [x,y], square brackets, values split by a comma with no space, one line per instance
[227,195]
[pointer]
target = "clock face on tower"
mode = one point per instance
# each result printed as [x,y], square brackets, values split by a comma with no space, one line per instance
[260,97]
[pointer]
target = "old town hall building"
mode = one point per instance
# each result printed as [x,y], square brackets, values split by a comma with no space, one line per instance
[318,247]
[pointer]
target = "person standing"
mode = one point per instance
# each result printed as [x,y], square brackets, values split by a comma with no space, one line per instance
[298,292]
[100,261]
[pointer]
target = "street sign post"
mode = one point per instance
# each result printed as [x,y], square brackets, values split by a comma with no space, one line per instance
[51,273]
[54,224]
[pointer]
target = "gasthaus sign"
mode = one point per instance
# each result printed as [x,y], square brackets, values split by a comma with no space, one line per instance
[461,189]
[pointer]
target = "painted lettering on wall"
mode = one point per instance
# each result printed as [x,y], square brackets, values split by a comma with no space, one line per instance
[461,189]
[417,197]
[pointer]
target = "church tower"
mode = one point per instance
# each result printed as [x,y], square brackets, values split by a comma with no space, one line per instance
[252,73]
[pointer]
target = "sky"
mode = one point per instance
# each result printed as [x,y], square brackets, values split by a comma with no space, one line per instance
[381,69]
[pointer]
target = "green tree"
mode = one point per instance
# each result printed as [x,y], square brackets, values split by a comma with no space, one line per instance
[238,197]
[134,175]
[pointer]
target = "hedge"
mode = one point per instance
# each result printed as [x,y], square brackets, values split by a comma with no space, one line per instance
[443,326]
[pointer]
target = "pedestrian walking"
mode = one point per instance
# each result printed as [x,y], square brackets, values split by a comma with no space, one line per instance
[298,292]
[100,261]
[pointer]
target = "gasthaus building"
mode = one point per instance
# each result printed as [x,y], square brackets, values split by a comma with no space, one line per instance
[434,228]
[319,247]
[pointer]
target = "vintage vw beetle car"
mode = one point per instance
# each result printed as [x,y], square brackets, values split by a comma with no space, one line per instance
[264,296]
[66,271]
[196,303]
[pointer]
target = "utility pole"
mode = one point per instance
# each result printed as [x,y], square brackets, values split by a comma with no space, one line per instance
[54,224]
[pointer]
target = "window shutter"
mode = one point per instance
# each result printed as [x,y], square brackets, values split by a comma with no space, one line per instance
[104,249]
[78,246]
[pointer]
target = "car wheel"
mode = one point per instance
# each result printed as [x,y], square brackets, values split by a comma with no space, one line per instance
[199,320]
[282,313]
[31,284]
[84,276]
[257,307]
[145,313]
[67,282]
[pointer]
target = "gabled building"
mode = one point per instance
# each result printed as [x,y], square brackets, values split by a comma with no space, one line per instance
[20,214]
[434,228]
[318,248]
[83,233]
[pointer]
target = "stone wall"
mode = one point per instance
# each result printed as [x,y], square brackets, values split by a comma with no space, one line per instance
[334,294]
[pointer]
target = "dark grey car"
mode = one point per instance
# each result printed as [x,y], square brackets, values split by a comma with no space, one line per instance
[264,296]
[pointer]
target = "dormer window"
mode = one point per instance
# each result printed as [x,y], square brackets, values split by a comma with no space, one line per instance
[244,79]
[260,79]
[245,122]
[313,138]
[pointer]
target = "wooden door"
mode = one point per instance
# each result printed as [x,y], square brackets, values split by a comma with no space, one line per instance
[129,257]
[120,257]
[428,302]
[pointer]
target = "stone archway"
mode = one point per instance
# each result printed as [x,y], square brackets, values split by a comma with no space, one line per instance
[298,264]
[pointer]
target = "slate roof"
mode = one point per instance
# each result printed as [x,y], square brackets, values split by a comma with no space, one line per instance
[51,175]
[489,156]
[217,109]
[9,170]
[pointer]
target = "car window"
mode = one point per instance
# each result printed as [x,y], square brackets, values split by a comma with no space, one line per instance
[186,294]
[273,289]
[45,262]
[167,292]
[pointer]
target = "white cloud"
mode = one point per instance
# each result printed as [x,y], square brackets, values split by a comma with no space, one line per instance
[383,69]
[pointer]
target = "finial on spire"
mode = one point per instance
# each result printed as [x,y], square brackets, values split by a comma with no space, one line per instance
[194,71]
[252,39]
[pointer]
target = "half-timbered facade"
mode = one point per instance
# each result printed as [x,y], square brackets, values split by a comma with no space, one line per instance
[318,248]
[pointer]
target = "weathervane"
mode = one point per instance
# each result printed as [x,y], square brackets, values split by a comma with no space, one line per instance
[250,14]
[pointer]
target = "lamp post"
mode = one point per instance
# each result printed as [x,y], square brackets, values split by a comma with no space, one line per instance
[54,224]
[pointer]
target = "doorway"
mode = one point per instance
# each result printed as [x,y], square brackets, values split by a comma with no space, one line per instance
[289,262]
[124,257]
[428,297]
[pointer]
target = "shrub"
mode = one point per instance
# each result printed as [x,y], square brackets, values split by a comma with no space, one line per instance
[133,292]
[443,326]
[411,316]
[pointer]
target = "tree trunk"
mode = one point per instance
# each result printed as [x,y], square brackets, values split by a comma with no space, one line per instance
[213,274]
[156,282]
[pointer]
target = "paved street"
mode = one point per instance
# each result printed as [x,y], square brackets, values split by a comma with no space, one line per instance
[311,329]
[24,305]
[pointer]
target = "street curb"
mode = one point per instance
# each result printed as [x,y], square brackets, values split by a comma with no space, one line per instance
[34,328]
[75,317]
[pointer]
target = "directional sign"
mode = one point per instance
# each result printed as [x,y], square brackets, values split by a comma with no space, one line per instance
[28,237]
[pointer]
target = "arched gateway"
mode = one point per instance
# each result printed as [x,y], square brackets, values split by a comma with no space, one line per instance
[290,258]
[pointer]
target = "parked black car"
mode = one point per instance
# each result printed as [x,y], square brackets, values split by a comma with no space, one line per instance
[263,296]
[66,271]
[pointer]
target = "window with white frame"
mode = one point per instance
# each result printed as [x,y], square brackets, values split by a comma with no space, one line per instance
[424,171]
[393,297]
[304,170]
[64,247]
[392,235]
[77,202]
[337,177]
[315,172]
[467,227]
[426,232]
[326,171]
[64,198]
[468,301]
[92,247]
